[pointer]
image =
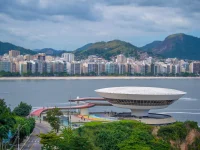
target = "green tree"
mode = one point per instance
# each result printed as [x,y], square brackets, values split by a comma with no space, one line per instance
[50,140]
[143,140]
[53,118]
[6,120]
[176,131]
[67,140]
[23,109]
[26,126]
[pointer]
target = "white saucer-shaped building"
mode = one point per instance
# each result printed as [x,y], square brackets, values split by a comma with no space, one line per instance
[140,99]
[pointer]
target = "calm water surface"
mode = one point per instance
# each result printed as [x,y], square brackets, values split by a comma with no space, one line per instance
[57,92]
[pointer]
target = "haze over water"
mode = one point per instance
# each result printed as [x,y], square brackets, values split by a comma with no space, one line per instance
[57,92]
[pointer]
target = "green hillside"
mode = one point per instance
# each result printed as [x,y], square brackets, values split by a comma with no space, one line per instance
[125,135]
[177,45]
[133,135]
[6,47]
[109,49]
[150,46]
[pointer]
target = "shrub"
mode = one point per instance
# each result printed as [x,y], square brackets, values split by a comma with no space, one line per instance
[176,131]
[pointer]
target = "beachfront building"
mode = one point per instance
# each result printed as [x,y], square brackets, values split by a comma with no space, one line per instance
[33,66]
[93,67]
[22,67]
[122,69]
[5,66]
[13,67]
[41,66]
[76,68]
[112,68]
[57,66]
[196,67]
[101,68]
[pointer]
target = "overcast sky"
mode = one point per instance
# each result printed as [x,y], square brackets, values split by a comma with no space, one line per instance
[70,24]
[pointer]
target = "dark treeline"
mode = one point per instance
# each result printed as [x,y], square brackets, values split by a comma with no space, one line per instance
[65,74]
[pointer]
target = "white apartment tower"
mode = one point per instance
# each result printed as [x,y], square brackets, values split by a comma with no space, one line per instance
[68,57]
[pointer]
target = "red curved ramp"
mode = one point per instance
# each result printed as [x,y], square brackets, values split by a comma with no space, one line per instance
[38,111]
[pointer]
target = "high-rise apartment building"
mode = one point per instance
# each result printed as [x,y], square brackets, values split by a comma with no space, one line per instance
[153,69]
[169,68]
[196,67]
[109,67]
[68,67]
[92,68]
[33,66]
[41,56]
[22,67]
[49,66]
[101,68]
[58,66]
[29,66]
[5,66]
[13,67]
[175,69]
[14,53]
[147,69]
[122,68]
[41,67]
[76,68]
[68,57]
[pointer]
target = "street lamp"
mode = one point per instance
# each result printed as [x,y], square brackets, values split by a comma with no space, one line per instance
[18,129]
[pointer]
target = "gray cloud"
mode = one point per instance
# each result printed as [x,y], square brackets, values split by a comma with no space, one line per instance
[42,9]
[68,24]
[189,4]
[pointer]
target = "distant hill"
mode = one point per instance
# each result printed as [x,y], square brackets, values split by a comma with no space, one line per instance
[176,45]
[152,45]
[6,47]
[51,51]
[108,49]
[84,47]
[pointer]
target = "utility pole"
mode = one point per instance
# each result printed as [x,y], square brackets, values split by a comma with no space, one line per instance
[70,112]
[18,137]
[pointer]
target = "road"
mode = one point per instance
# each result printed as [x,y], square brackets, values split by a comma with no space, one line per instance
[33,142]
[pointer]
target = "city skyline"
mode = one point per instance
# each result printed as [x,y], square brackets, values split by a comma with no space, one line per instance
[42,64]
[71,24]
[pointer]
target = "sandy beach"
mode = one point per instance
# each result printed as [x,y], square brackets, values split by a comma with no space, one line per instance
[91,78]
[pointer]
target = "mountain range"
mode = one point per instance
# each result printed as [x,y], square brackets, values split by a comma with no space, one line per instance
[176,45]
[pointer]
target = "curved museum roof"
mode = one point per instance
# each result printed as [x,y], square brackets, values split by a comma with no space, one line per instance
[140,93]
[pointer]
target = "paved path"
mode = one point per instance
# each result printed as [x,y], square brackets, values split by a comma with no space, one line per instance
[33,142]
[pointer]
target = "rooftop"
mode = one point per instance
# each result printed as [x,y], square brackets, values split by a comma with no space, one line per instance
[133,90]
